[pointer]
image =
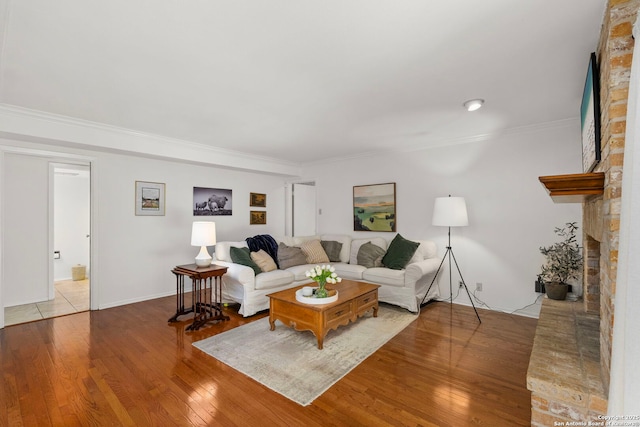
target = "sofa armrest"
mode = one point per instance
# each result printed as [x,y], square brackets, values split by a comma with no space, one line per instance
[415,271]
[239,273]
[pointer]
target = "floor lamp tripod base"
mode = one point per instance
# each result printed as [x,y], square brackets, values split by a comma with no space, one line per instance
[449,254]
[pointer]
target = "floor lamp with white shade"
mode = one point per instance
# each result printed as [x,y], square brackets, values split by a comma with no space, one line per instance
[450,212]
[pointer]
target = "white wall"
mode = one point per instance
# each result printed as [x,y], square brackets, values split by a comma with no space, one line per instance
[136,253]
[510,212]
[132,256]
[71,223]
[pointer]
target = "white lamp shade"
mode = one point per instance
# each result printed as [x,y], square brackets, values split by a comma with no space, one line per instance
[203,233]
[450,212]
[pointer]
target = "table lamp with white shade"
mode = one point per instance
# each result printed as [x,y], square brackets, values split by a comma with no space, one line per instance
[203,234]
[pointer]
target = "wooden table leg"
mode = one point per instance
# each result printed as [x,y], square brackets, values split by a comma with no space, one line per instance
[180,310]
[208,302]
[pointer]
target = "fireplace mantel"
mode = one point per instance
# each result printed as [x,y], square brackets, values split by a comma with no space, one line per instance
[573,188]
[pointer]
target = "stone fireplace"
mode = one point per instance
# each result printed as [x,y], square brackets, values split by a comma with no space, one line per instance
[570,363]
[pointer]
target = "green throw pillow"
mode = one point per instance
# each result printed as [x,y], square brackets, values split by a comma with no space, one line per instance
[332,248]
[243,256]
[369,255]
[399,253]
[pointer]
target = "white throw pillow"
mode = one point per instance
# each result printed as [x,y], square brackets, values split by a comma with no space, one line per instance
[223,250]
[346,244]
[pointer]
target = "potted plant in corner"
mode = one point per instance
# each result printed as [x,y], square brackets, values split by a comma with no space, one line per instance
[563,262]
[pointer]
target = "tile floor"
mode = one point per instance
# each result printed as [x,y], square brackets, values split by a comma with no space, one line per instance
[71,297]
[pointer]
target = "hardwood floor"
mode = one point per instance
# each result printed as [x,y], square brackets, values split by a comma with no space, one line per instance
[128,366]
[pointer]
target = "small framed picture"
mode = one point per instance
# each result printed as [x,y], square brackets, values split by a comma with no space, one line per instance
[257,217]
[258,200]
[150,198]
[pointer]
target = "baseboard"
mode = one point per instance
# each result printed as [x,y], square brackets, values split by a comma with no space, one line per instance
[135,300]
[517,311]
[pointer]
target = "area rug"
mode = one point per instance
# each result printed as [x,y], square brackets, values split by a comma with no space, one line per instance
[290,363]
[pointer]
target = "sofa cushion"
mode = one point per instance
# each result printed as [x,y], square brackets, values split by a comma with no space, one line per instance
[298,240]
[349,271]
[287,240]
[332,248]
[384,276]
[370,255]
[314,252]
[430,249]
[264,260]
[356,243]
[265,242]
[243,256]
[427,249]
[288,256]
[399,253]
[223,250]
[273,279]
[345,252]
[299,271]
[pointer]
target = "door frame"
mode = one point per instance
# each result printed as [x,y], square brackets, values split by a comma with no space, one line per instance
[289,200]
[53,165]
[53,157]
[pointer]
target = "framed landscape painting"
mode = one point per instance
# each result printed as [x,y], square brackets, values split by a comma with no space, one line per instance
[590,118]
[257,217]
[258,200]
[374,207]
[149,198]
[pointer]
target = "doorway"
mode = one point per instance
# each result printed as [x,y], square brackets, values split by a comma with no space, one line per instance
[302,218]
[64,288]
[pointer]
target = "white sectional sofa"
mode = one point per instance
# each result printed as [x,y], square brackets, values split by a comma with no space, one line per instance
[404,288]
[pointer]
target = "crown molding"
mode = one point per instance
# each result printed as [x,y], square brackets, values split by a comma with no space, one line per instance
[39,126]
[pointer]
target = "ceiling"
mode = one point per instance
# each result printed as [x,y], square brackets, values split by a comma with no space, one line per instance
[300,81]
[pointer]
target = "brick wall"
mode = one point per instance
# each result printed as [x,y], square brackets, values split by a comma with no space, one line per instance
[602,215]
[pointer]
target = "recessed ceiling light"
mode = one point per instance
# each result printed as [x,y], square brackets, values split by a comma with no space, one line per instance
[473,104]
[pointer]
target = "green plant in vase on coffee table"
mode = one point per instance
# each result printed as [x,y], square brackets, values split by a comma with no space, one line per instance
[322,275]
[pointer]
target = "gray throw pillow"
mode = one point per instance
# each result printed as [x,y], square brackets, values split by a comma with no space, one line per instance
[288,256]
[370,255]
[332,248]
[243,256]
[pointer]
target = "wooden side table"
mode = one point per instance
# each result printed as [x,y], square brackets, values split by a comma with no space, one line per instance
[206,293]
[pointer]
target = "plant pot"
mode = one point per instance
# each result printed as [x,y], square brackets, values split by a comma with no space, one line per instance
[557,291]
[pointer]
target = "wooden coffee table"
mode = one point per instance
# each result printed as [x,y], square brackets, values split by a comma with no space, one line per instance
[354,300]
